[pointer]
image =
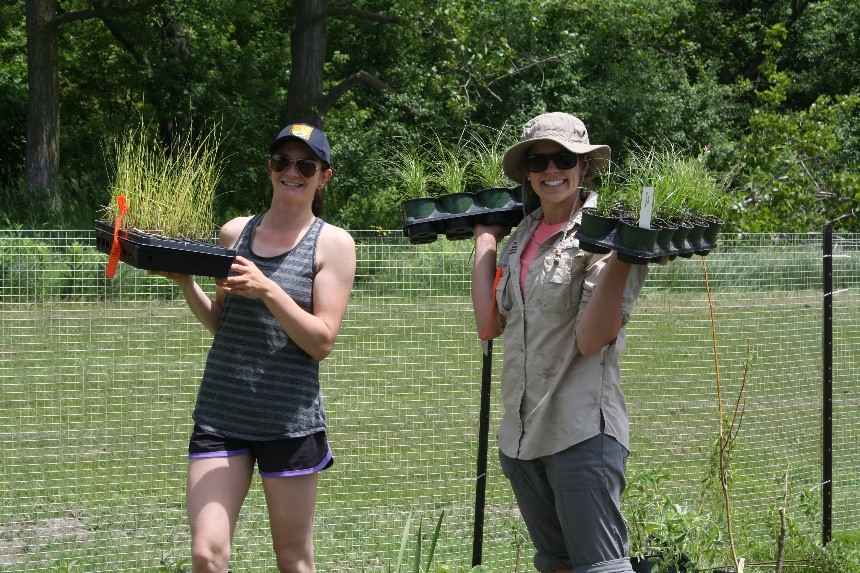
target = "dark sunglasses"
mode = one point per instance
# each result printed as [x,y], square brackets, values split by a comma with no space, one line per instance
[307,168]
[540,161]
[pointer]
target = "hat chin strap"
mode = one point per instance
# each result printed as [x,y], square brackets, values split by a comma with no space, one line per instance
[586,165]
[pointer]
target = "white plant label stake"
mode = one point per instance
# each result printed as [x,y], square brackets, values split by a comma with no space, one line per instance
[647,205]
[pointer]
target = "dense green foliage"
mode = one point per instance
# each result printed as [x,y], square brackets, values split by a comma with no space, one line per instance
[768,88]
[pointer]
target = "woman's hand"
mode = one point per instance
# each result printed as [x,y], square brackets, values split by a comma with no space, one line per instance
[497,231]
[245,280]
[180,279]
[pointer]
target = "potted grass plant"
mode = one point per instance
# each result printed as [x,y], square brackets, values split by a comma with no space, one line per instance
[705,204]
[160,215]
[486,149]
[448,188]
[682,199]
[421,211]
[690,198]
[599,224]
[643,180]
[450,175]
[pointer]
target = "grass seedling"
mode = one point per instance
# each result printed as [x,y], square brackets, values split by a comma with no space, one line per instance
[486,149]
[610,199]
[410,168]
[169,192]
[451,165]
[404,542]
[683,187]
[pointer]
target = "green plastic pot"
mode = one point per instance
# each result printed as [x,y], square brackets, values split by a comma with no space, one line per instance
[596,226]
[419,208]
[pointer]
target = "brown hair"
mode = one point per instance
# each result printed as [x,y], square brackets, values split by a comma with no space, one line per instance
[318,206]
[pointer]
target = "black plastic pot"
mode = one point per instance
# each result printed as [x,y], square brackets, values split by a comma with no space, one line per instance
[652,563]
[500,206]
[596,231]
[709,236]
[154,253]
[421,219]
[461,206]
[681,246]
[664,236]
[694,238]
[638,244]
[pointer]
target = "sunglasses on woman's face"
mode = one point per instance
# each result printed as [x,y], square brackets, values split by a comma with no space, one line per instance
[307,168]
[540,161]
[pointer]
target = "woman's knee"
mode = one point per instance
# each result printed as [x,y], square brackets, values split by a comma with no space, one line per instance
[294,560]
[207,557]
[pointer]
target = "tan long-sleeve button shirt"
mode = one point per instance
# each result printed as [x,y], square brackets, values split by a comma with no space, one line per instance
[553,396]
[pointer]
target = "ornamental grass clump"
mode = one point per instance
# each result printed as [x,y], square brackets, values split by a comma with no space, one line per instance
[485,149]
[683,187]
[410,168]
[610,199]
[450,167]
[169,193]
[703,196]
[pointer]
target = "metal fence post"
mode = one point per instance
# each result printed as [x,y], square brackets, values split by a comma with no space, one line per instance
[827,410]
[483,439]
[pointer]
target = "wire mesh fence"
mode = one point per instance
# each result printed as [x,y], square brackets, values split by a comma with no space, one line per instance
[98,379]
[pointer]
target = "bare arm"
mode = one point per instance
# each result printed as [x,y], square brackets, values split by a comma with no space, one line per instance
[602,318]
[206,310]
[483,276]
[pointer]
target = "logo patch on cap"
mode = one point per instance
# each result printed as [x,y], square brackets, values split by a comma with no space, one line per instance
[301,130]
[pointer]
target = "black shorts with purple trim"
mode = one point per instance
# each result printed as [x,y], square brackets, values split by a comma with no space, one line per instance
[287,457]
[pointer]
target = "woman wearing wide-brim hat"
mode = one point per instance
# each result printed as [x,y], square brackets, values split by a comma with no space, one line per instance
[564,435]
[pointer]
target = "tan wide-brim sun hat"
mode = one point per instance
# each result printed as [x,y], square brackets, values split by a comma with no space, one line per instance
[566,130]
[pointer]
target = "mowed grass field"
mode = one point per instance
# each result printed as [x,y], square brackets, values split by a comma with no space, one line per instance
[96,402]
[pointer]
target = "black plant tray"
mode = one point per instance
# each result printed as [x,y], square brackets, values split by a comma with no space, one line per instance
[641,255]
[458,226]
[154,253]
[426,229]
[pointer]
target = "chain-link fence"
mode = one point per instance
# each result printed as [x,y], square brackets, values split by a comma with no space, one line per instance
[98,380]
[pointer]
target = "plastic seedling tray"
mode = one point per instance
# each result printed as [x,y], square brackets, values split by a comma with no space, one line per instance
[641,256]
[458,226]
[154,253]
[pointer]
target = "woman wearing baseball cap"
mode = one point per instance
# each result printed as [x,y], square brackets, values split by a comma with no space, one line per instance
[274,319]
[564,435]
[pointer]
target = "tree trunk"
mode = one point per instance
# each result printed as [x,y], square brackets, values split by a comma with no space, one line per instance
[308,46]
[42,160]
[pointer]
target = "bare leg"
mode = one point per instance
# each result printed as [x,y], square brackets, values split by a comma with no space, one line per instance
[292,504]
[215,492]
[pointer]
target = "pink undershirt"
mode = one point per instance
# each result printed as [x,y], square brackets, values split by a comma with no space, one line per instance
[538,238]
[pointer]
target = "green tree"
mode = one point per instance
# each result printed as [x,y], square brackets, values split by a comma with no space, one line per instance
[42,160]
[695,75]
[13,89]
[795,170]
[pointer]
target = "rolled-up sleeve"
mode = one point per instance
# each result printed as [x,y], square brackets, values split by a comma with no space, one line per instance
[635,281]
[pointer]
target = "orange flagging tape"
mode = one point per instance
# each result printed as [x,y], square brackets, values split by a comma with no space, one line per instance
[485,334]
[115,247]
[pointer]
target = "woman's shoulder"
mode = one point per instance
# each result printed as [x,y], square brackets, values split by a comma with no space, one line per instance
[336,237]
[337,234]
[231,230]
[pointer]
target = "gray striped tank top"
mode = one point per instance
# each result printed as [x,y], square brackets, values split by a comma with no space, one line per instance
[257,384]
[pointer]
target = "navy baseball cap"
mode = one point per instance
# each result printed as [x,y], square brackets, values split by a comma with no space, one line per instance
[313,137]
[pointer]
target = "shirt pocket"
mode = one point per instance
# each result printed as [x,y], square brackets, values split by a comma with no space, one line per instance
[562,287]
[555,287]
[504,294]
